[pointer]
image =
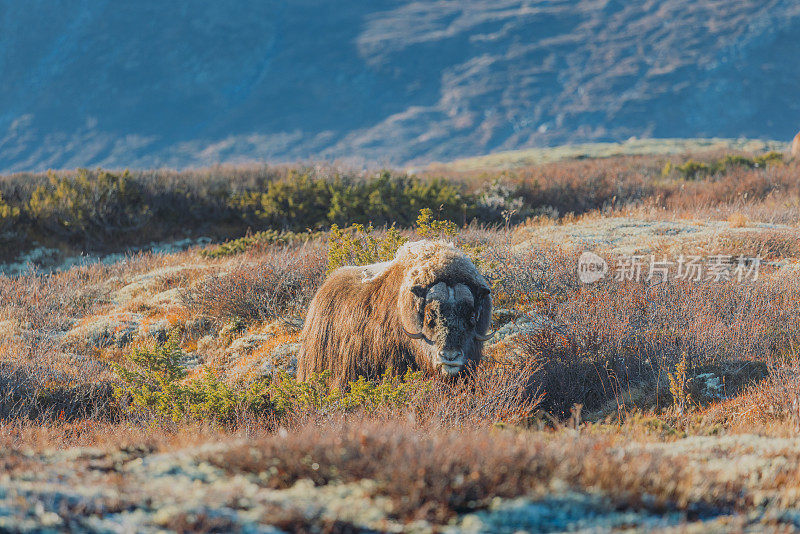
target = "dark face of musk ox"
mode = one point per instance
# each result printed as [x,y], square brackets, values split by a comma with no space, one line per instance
[450,325]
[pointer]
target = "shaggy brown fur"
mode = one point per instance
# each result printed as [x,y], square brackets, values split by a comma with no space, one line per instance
[355,322]
[795,152]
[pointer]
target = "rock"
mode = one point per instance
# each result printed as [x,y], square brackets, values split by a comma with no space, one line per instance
[524,325]
[787,272]
[107,330]
[262,351]
[626,236]
[711,385]
[559,512]
[200,325]
[170,297]
[148,282]
[8,328]
[281,358]
[191,360]
[293,323]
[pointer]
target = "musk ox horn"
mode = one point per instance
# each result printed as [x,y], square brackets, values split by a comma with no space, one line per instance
[412,335]
[485,337]
[484,314]
[417,335]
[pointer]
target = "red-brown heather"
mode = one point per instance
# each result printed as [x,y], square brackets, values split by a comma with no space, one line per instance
[428,309]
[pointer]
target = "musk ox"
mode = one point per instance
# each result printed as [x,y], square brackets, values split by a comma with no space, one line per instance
[795,151]
[428,309]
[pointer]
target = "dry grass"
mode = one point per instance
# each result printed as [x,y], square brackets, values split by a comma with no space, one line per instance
[620,184]
[432,475]
[264,288]
[436,475]
[738,220]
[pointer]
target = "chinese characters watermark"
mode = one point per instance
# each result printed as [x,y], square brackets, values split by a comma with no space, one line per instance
[638,268]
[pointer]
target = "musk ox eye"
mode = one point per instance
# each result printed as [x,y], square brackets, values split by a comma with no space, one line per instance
[431,318]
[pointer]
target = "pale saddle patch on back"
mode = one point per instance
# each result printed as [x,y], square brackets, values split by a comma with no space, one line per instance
[373,271]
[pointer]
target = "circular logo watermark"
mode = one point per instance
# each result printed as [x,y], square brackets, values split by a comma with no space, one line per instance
[591,268]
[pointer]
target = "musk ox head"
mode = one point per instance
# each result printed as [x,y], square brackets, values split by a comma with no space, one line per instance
[444,306]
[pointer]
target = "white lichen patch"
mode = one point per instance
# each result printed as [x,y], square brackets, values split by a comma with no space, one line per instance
[148,284]
[627,236]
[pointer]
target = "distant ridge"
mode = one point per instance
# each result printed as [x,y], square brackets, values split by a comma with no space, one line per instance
[386,82]
[633,147]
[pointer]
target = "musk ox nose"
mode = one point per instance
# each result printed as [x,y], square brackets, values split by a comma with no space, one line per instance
[451,355]
[450,361]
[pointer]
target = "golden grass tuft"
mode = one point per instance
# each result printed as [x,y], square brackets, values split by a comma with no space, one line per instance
[738,220]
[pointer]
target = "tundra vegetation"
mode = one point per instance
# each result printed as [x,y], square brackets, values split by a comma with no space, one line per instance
[158,391]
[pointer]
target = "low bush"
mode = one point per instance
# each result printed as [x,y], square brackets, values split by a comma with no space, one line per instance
[436,476]
[278,284]
[623,335]
[300,200]
[388,394]
[153,382]
[8,215]
[104,211]
[362,245]
[259,240]
[692,170]
[107,211]
[89,206]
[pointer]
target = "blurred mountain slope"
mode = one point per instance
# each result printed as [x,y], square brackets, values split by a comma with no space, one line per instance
[148,84]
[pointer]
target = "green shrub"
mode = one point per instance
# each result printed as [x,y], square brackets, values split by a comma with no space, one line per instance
[359,245]
[301,200]
[430,228]
[297,200]
[390,392]
[764,160]
[8,215]
[732,160]
[770,158]
[154,382]
[678,386]
[258,240]
[691,170]
[108,211]
[157,385]
[88,205]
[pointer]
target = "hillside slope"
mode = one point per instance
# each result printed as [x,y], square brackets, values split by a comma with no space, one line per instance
[93,82]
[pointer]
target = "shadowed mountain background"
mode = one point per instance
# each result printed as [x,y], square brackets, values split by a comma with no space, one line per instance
[152,83]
